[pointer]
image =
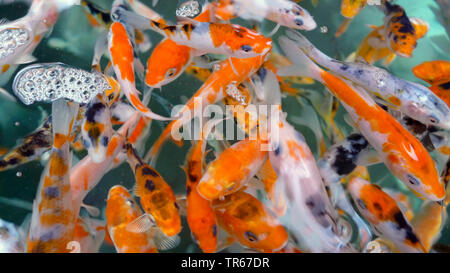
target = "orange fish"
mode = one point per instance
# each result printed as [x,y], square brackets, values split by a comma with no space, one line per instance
[122,209]
[156,196]
[250,222]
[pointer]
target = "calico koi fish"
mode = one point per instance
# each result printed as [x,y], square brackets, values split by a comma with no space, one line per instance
[53,219]
[122,209]
[409,98]
[97,128]
[383,213]
[156,196]
[402,153]
[250,222]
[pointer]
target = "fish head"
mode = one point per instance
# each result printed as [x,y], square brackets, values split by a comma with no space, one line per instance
[297,17]
[162,70]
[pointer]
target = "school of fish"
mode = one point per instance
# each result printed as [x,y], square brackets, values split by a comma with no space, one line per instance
[266,189]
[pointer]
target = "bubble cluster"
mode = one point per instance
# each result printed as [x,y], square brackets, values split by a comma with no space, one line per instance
[234,92]
[188,9]
[50,81]
[11,39]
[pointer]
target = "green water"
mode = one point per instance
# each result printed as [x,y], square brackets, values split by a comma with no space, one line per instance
[17,120]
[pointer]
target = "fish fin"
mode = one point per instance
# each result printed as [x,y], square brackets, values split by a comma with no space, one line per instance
[4,21]
[420,26]
[136,191]
[181,202]
[154,2]
[274,30]
[186,20]
[352,57]
[140,68]
[101,46]
[93,211]
[360,59]
[25,226]
[7,95]
[255,183]
[24,59]
[232,66]
[164,242]
[343,27]
[63,116]
[368,157]
[141,224]
[303,65]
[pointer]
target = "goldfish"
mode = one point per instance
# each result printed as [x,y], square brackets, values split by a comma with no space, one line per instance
[156,196]
[411,99]
[383,213]
[436,73]
[122,57]
[399,32]
[11,238]
[53,219]
[250,222]
[97,128]
[215,38]
[122,209]
[374,47]
[398,149]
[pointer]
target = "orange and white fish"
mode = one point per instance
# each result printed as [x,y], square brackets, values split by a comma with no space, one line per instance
[250,222]
[162,70]
[96,129]
[215,38]
[309,214]
[283,12]
[122,57]
[156,197]
[200,215]
[436,73]
[429,222]
[233,168]
[19,38]
[212,91]
[402,153]
[122,209]
[411,99]
[53,219]
[383,213]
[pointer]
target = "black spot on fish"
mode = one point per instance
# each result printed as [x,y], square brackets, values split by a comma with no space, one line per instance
[277,150]
[359,72]
[171,28]
[250,236]
[51,192]
[377,206]
[345,161]
[344,67]
[13,161]
[188,190]
[176,205]
[403,225]
[25,151]
[92,111]
[3,163]
[149,171]
[104,141]
[86,143]
[214,230]
[445,86]
[149,185]
[262,73]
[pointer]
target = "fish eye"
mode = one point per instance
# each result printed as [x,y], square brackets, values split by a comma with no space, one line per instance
[434,120]
[246,48]
[412,180]
[171,71]
[250,236]
[299,22]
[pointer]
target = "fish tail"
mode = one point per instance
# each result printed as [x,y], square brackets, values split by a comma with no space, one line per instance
[303,65]
[63,117]
[132,95]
